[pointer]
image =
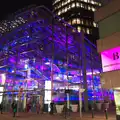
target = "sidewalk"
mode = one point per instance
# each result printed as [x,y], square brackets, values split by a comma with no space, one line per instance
[46,116]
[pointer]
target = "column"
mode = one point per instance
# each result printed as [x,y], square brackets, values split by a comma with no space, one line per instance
[117,103]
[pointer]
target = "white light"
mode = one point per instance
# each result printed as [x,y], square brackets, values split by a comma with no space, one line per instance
[1,94]
[47,63]
[3,77]
[47,99]
[26,66]
[16,98]
[57,78]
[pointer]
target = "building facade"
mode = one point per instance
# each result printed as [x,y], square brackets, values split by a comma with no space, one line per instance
[79,14]
[40,55]
[108,18]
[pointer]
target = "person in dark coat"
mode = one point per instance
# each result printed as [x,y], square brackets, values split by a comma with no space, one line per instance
[14,108]
[51,108]
[65,109]
[1,108]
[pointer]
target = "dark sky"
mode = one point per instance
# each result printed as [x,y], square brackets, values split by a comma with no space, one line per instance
[9,6]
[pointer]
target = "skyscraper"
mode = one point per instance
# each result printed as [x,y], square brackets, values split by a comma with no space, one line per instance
[79,14]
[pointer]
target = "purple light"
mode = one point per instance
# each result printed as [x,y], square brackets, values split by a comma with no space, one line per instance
[111,59]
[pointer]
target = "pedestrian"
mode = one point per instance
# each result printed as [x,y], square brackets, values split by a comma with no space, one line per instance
[51,108]
[27,107]
[38,107]
[1,107]
[14,108]
[65,110]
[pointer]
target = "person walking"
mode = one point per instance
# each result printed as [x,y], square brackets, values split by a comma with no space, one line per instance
[14,108]
[51,108]
[1,108]
[65,110]
[38,108]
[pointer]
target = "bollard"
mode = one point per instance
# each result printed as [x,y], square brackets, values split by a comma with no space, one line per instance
[106,114]
[92,112]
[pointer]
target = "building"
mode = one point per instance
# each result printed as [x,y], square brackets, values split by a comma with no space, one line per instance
[40,55]
[108,18]
[79,14]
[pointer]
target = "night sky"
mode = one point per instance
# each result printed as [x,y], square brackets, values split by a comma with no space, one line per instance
[7,7]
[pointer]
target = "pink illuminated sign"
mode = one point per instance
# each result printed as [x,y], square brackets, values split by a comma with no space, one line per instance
[111,59]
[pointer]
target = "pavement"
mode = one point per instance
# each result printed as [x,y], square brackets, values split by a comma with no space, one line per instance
[46,116]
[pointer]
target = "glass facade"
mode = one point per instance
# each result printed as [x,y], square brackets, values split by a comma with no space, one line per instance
[41,55]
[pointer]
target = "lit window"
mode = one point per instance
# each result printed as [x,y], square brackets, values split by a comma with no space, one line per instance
[94,24]
[85,0]
[93,9]
[92,2]
[99,4]
[82,6]
[79,29]
[77,4]
[66,9]
[73,5]
[74,21]
[89,7]
[82,22]
[73,30]
[88,31]
[59,12]
[78,21]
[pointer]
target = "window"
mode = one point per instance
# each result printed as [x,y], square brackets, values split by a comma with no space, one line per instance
[78,21]
[88,1]
[68,1]
[94,24]
[68,7]
[79,29]
[92,2]
[73,21]
[78,4]
[89,8]
[82,21]
[85,1]
[93,9]
[73,5]
[99,4]
[59,13]
[65,9]
[88,31]
[82,6]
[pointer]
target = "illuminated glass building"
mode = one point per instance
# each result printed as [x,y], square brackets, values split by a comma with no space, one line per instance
[79,14]
[42,55]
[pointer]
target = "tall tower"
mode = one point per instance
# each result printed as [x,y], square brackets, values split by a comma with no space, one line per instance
[79,14]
